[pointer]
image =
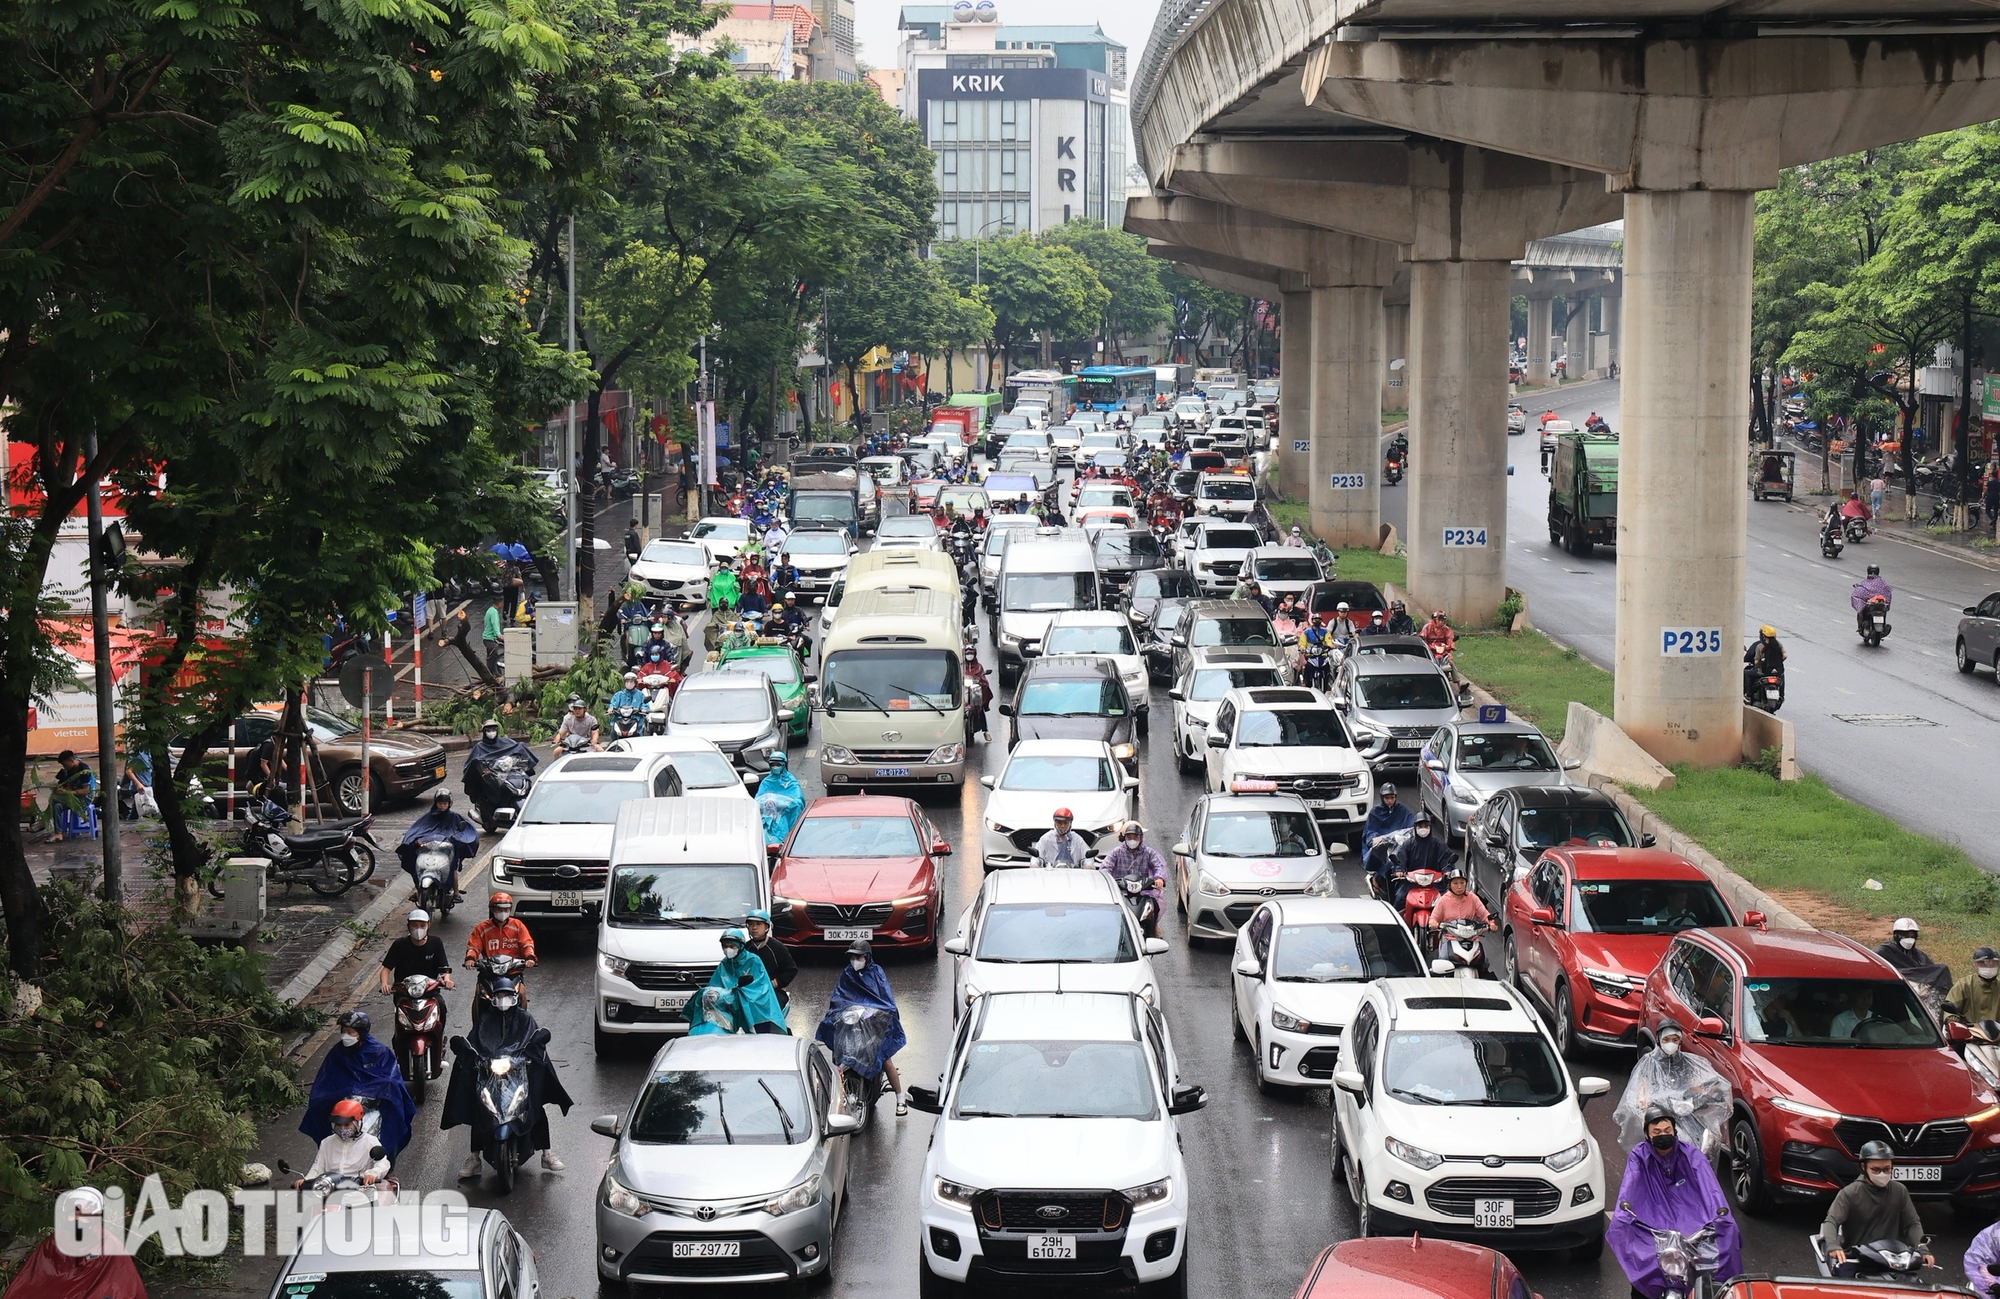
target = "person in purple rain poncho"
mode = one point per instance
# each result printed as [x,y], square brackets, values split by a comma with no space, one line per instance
[1669,1186]
[1981,1260]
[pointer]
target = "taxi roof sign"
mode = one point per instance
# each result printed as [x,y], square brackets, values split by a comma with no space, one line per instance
[1490,714]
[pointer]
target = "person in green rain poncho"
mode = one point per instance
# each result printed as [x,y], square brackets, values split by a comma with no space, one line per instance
[739,997]
[724,591]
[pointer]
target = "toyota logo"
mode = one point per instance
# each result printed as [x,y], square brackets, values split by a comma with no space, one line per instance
[1052,1212]
[706,1213]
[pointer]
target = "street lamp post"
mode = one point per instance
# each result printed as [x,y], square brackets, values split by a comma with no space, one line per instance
[986,361]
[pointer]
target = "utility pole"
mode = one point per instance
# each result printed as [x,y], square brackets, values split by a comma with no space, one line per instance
[570,472]
[701,413]
[107,736]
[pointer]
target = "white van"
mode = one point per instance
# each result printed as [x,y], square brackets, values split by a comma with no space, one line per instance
[929,570]
[1042,573]
[682,871]
[891,692]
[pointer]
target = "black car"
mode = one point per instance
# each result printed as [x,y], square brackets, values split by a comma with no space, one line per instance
[1155,635]
[1324,598]
[1122,552]
[1150,586]
[1073,697]
[1509,833]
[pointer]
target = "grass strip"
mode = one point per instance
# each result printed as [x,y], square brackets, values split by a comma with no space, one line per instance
[1535,677]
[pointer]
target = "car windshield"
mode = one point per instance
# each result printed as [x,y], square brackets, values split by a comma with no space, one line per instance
[816,543]
[1056,773]
[1164,584]
[1028,438]
[1288,568]
[1260,834]
[856,836]
[1645,906]
[578,802]
[1336,953]
[326,727]
[1118,544]
[1465,1067]
[706,707]
[723,529]
[682,895]
[1113,639]
[1055,933]
[1087,698]
[1411,690]
[1233,631]
[722,1108]
[1229,489]
[1214,683]
[1056,1080]
[1479,751]
[673,552]
[1090,496]
[1837,1012]
[780,668]
[398,1283]
[705,770]
[1229,539]
[1044,592]
[908,525]
[1546,827]
[890,680]
[1289,728]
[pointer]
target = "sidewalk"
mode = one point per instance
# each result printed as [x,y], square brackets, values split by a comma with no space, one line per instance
[1894,524]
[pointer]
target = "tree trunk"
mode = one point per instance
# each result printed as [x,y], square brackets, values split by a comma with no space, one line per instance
[1962,456]
[1758,411]
[586,513]
[1908,453]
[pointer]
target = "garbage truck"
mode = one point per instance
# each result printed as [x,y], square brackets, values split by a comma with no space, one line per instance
[1583,491]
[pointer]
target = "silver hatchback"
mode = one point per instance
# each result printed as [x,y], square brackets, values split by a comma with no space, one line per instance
[731,1167]
[1466,762]
[1392,704]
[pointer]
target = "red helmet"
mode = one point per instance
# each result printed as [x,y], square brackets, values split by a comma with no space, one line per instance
[1064,814]
[496,899]
[349,1109]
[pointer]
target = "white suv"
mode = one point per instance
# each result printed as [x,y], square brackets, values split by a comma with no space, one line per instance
[1293,739]
[1213,671]
[1050,930]
[1107,636]
[555,858]
[1453,1117]
[1221,549]
[1056,1155]
[1043,775]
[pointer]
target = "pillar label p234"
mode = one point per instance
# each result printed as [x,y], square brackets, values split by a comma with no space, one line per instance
[1458,538]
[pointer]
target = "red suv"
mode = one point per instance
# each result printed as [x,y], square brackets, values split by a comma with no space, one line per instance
[1583,927]
[860,866]
[1826,1048]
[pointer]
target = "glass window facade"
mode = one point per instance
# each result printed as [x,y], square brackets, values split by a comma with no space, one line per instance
[984,167]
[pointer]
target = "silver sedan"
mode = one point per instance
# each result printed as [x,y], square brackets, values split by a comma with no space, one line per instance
[1466,761]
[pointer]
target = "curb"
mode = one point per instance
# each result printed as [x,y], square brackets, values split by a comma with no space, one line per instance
[1741,893]
[337,947]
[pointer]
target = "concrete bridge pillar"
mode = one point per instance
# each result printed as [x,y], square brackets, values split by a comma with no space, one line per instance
[1346,456]
[1396,347]
[1614,309]
[1457,539]
[1576,338]
[1541,325]
[1295,368]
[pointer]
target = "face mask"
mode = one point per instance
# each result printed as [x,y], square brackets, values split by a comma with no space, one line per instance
[1133,844]
[347,1132]
[1670,1049]
[418,933]
[500,917]
[731,953]
[1989,971]
[491,735]
[858,964]
[350,1039]
[1906,943]
[504,1003]
[1423,832]
[1663,1141]
[1879,1179]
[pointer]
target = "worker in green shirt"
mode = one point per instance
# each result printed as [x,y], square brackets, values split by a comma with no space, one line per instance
[491,635]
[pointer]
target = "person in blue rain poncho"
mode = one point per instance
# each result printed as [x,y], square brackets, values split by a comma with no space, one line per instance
[739,997]
[440,823]
[780,799]
[866,984]
[359,1065]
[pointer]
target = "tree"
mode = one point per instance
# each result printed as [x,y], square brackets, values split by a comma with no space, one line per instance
[1139,302]
[1031,288]
[1199,309]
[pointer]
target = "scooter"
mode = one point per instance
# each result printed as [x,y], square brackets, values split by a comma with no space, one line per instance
[1458,944]
[1688,1261]
[1426,886]
[1831,542]
[858,1032]
[573,744]
[1874,621]
[329,859]
[329,1185]
[1145,907]
[504,786]
[490,969]
[433,871]
[419,1037]
[1855,527]
[504,1087]
[1764,690]
[627,722]
[1980,1045]
[1883,1260]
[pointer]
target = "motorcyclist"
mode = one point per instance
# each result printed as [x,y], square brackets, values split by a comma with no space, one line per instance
[1437,634]
[656,639]
[784,574]
[978,691]
[744,1000]
[501,934]
[1461,903]
[1868,588]
[1981,1258]
[788,619]
[630,696]
[1343,627]
[1976,997]
[1061,846]
[578,726]
[865,983]
[504,1030]
[1400,622]
[346,1150]
[1387,815]
[780,798]
[439,823]
[1901,949]
[1765,657]
[1669,1186]
[1424,850]
[97,1269]
[724,590]
[1378,625]
[1685,1085]
[1874,1206]
[416,953]
[778,962]
[358,1065]
[489,748]
[1135,859]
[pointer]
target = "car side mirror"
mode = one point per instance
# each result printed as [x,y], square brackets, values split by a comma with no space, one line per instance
[925,1099]
[1971,611]
[1178,695]
[1496,838]
[1647,840]
[1158,947]
[1441,968]
[785,714]
[1350,1081]
[809,677]
[505,815]
[842,1124]
[1006,710]
[1711,1026]
[940,849]
[1756,920]
[1250,968]
[1958,1031]
[1186,1100]
[1183,849]
[986,781]
[957,945]
[1541,915]
[607,1125]
[1589,1086]
[1433,764]
[1571,764]
[1216,741]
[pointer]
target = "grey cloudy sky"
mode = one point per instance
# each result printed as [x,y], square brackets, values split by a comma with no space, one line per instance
[1126,21]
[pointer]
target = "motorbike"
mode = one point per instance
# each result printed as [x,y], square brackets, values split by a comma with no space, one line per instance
[626,722]
[329,859]
[330,1185]
[1874,621]
[659,681]
[1426,887]
[1765,690]
[434,891]
[1854,527]
[1688,1260]
[1458,943]
[504,1089]
[1392,469]
[490,968]
[1831,539]
[1882,1260]
[1980,1045]
[503,788]
[573,744]
[1145,907]
[858,1032]
[419,1037]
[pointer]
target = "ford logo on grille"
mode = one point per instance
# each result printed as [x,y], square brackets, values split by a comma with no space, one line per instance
[1302,784]
[1052,1212]
[567,872]
[1493,1161]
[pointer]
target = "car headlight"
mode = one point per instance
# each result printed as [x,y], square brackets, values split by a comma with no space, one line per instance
[620,1199]
[1207,883]
[1287,1021]
[1803,1110]
[501,867]
[780,903]
[1990,1112]
[1464,795]
[1123,752]
[613,965]
[1009,638]
[803,1196]
[944,753]
[1151,1193]
[949,1192]
[1002,830]
[1322,885]
[971,992]
[1410,1154]
[1150,995]
[1610,983]
[835,753]
[1563,1160]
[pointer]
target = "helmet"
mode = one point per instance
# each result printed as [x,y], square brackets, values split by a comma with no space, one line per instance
[349,1109]
[736,936]
[759,914]
[632,676]
[1767,630]
[576,701]
[490,724]
[1904,926]
[1873,1150]
[419,916]
[442,796]
[1377,616]
[504,994]
[778,760]
[1985,954]
[356,1020]
[1396,606]
[1667,1026]
[1457,873]
[1064,814]
[1874,570]
[1658,1113]
[1438,614]
[1341,607]
[860,947]
[1132,827]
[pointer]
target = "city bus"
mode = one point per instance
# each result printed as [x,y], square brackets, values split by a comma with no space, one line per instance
[1052,390]
[1116,387]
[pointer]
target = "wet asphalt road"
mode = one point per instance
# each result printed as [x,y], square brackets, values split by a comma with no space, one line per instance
[1923,747]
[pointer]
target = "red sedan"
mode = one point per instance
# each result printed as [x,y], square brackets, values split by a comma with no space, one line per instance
[1825,1048]
[860,866]
[1412,1267]
[1585,926]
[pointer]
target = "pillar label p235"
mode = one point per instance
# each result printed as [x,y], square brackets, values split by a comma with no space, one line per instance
[1690,642]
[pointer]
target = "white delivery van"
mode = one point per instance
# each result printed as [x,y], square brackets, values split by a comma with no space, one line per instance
[1042,573]
[891,692]
[682,871]
[930,570]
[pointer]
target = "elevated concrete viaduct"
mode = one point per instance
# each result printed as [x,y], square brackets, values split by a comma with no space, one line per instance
[1675,110]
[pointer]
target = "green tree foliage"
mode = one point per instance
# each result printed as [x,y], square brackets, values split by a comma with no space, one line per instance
[1139,302]
[1031,287]
[1201,311]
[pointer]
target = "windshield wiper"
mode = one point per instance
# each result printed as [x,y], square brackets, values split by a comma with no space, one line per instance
[1314,978]
[985,1114]
[916,698]
[873,702]
[783,1117]
[1418,1097]
[723,1119]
